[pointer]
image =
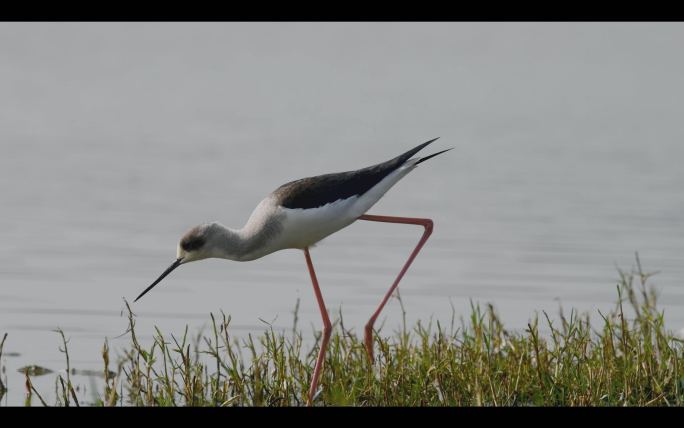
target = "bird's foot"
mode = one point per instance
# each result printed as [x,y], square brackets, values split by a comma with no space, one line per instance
[314,397]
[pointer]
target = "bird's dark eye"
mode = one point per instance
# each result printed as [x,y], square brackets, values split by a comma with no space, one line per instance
[192,242]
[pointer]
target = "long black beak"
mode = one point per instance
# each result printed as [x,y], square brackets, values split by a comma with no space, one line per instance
[166,272]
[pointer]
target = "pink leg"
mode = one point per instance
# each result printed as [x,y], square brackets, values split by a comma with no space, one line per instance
[327,327]
[427,224]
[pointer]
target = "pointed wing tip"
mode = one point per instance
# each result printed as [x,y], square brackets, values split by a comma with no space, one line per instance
[432,155]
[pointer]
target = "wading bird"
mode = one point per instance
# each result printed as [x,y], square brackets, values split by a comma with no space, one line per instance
[300,213]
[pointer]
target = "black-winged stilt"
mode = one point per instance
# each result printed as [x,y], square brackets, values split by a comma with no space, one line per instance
[300,213]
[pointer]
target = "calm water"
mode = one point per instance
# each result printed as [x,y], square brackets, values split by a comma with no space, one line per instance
[116,138]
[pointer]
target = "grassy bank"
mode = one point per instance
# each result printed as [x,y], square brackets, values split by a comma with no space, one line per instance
[558,360]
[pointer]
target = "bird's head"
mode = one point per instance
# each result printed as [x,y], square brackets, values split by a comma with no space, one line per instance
[198,243]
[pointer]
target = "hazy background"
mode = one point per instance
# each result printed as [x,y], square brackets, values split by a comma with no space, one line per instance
[115,138]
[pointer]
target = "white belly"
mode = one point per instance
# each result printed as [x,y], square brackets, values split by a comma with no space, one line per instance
[305,227]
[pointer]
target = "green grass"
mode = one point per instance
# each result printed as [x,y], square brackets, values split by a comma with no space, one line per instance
[623,360]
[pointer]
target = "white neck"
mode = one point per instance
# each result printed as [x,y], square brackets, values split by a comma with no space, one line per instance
[247,243]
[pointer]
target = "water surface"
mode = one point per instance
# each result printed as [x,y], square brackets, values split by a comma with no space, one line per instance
[118,137]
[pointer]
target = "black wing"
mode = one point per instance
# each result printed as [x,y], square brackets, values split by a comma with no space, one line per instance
[312,192]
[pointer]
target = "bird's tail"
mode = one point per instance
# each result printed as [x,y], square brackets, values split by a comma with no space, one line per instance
[431,156]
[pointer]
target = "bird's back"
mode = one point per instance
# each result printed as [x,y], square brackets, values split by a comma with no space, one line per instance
[313,192]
